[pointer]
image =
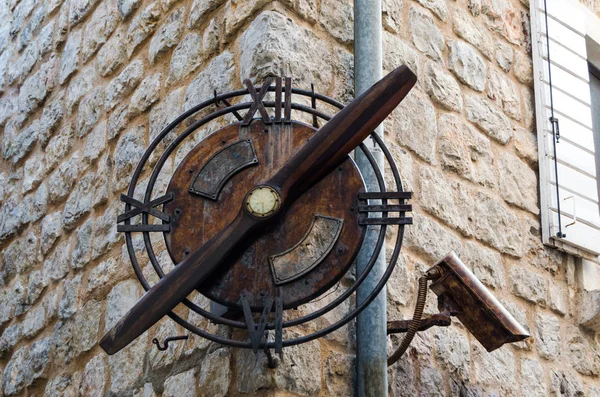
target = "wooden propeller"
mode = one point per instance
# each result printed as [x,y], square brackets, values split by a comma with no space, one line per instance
[323,153]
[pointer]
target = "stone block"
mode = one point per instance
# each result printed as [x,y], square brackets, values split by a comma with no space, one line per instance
[167,36]
[215,379]
[518,182]
[36,286]
[488,118]
[51,231]
[40,203]
[258,60]
[94,377]
[439,8]
[79,9]
[504,93]
[447,200]
[127,7]
[398,52]
[113,53]
[120,299]
[529,286]
[186,57]
[431,239]
[468,66]
[123,84]
[565,384]
[495,370]
[580,352]
[87,324]
[103,23]
[526,145]
[79,202]
[217,75]
[11,336]
[69,62]
[95,143]
[497,226]
[548,336]
[34,322]
[425,34]
[452,351]
[126,367]
[69,301]
[63,178]
[181,385]
[51,118]
[443,88]
[146,94]
[61,385]
[466,28]
[200,9]
[79,86]
[340,374]
[128,152]
[532,378]
[432,382]
[416,113]
[237,13]
[90,110]
[165,112]
[21,255]
[486,264]
[504,55]
[17,375]
[83,246]
[462,149]
[56,265]
[337,17]
[142,26]
[523,68]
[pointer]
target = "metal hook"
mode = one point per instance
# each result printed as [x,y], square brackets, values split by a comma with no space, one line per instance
[166,342]
[227,104]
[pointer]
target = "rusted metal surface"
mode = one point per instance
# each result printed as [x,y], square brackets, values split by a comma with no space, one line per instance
[326,152]
[311,250]
[257,101]
[435,320]
[228,161]
[249,272]
[478,309]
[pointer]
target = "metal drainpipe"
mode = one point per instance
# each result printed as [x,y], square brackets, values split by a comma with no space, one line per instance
[371,324]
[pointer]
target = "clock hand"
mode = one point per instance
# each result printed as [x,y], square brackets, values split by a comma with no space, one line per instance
[328,148]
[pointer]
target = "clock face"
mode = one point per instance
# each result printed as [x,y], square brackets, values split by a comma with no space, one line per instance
[264,215]
[305,252]
[262,201]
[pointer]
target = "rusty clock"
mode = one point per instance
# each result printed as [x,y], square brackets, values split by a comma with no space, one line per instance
[264,215]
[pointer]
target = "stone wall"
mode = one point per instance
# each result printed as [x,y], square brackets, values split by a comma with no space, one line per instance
[86,84]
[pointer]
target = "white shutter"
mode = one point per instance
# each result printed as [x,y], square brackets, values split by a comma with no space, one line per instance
[575,155]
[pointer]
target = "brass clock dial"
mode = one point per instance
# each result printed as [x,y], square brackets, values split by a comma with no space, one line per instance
[262,201]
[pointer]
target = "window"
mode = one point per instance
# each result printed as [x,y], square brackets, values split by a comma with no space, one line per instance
[595,92]
[565,89]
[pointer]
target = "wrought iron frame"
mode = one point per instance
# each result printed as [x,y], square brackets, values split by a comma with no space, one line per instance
[234,109]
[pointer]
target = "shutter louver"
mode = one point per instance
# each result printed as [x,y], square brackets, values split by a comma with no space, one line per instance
[575,157]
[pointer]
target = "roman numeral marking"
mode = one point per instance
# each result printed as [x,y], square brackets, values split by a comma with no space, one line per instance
[401,208]
[147,208]
[288,101]
[257,103]
[256,332]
